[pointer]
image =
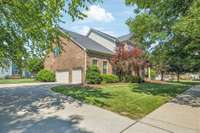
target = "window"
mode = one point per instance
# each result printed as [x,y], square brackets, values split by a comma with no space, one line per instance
[130,47]
[105,67]
[94,62]
[56,51]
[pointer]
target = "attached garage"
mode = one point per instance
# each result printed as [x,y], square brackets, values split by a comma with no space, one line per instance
[62,77]
[76,76]
[69,77]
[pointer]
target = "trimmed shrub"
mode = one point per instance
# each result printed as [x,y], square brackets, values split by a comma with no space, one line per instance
[133,79]
[108,78]
[93,75]
[7,77]
[45,76]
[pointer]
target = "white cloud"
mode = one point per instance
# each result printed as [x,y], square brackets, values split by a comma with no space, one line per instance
[98,13]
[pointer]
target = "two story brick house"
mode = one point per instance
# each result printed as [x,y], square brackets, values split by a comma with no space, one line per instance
[79,52]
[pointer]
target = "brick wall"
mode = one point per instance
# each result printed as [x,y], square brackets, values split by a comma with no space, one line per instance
[100,58]
[71,58]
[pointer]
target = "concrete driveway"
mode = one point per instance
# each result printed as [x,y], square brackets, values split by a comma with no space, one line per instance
[33,108]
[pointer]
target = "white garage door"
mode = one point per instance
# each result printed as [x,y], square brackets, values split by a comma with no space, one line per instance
[62,77]
[76,77]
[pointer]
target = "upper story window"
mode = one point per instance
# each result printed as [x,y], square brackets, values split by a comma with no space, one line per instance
[56,51]
[130,47]
[105,67]
[94,62]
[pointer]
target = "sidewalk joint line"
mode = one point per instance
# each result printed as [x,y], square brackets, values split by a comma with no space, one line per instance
[156,127]
[172,124]
[122,131]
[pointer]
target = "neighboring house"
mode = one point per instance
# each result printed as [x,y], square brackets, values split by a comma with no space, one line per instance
[11,71]
[79,52]
[5,71]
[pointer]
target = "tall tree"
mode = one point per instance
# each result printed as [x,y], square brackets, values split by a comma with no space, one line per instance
[169,22]
[34,65]
[159,60]
[28,25]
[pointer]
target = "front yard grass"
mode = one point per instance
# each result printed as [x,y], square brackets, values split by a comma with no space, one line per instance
[128,99]
[16,81]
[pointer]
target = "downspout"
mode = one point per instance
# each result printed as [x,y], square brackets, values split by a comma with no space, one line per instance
[84,81]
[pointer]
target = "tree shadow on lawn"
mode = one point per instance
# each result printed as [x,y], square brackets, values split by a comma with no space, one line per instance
[186,82]
[169,90]
[84,94]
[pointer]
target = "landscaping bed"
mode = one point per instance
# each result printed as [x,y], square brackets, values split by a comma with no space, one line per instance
[129,99]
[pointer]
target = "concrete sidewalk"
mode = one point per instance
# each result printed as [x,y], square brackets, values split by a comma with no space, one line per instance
[182,115]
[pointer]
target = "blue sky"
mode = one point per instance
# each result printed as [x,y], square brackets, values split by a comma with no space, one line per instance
[109,17]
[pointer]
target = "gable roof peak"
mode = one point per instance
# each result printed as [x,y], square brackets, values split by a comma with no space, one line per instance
[86,43]
[102,34]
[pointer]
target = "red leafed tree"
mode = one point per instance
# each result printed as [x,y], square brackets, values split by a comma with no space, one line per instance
[125,61]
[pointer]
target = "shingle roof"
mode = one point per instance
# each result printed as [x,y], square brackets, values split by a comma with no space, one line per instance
[87,43]
[104,35]
[125,37]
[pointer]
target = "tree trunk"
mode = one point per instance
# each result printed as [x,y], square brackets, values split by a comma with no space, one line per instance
[149,73]
[162,76]
[178,77]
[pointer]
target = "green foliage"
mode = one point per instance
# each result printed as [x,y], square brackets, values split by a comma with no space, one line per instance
[153,74]
[159,58]
[31,26]
[174,26]
[45,76]
[189,24]
[17,81]
[35,65]
[109,78]
[148,24]
[133,79]
[93,75]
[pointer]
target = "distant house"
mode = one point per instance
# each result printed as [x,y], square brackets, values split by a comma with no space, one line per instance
[12,71]
[79,52]
[5,71]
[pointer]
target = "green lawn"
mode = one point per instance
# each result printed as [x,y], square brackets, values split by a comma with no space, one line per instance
[16,81]
[132,100]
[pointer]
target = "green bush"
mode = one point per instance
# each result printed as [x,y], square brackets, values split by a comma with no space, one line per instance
[7,77]
[93,75]
[133,79]
[45,76]
[108,78]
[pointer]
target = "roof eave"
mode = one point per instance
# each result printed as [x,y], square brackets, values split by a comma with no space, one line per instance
[97,52]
